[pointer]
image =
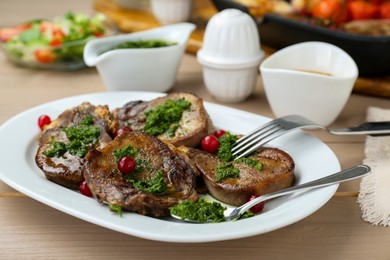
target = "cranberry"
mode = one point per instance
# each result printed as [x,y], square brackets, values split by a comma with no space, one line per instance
[43,120]
[210,144]
[256,208]
[218,133]
[126,165]
[120,131]
[84,189]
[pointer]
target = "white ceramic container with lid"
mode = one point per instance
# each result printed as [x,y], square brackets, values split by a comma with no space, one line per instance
[312,79]
[143,69]
[230,55]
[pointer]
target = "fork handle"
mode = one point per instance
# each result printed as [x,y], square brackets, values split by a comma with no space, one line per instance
[345,175]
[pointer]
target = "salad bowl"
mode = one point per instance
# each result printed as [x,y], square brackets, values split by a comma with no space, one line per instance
[54,44]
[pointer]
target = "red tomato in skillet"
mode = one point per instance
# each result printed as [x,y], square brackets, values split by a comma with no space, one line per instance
[384,10]
[362,10]
[330,11]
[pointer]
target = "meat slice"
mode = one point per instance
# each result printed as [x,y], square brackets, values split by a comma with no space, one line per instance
[277,173]
[152,157]
[63,166]
[193,125]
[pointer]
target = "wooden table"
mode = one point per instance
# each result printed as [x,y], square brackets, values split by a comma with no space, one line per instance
[31,230]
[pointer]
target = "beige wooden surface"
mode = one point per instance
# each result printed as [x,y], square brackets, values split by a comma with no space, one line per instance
[31,230]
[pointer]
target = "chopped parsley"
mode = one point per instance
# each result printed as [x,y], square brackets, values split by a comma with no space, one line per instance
[125,151]
[226,170]
[80,139]
[251,162]
[57,149]
[225,147]
[156,185]
[165,118]
[115,208]
[201,211]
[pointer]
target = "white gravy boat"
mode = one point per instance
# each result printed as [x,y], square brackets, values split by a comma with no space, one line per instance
[144,69]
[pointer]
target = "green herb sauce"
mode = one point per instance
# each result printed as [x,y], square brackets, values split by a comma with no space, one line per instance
[225,147]
[125,151]
[144,44]
[201,211]
[166,117]
[80,139]
[226,170]
[251,162]
[156,185]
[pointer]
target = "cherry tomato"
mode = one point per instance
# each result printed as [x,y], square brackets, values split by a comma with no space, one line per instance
[210,144]
[256,208]
[44,56]
[120,131]
[85,190]
[330,11]
[43,120]
[362,10]
[218,133]
[58,37]
[126,165]
[384,10]
[98,34]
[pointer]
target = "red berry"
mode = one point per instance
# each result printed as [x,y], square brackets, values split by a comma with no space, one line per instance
[126,165]
[218,133]
[84,189]
[120,131]
[43,120]
[210,144]
[256,208]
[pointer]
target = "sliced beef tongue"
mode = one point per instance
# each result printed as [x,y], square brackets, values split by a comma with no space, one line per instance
[195,123]
[153,157]
[277,173]
[65,167]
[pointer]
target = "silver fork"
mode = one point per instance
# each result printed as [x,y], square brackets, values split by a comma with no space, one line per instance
[267,132]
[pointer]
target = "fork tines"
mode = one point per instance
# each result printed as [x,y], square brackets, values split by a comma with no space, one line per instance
[257,138]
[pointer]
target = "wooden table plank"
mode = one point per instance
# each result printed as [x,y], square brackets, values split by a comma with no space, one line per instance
[336,231]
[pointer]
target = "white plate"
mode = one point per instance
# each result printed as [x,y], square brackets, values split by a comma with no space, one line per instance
[313,160]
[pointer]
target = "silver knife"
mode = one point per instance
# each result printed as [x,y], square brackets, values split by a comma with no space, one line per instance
[368,128]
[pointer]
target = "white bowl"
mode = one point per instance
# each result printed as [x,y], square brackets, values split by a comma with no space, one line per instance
[230,55]
[152,69]
[171,11]
[312,79]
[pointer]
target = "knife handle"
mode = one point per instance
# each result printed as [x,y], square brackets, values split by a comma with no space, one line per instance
[376,125]
[368,128]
